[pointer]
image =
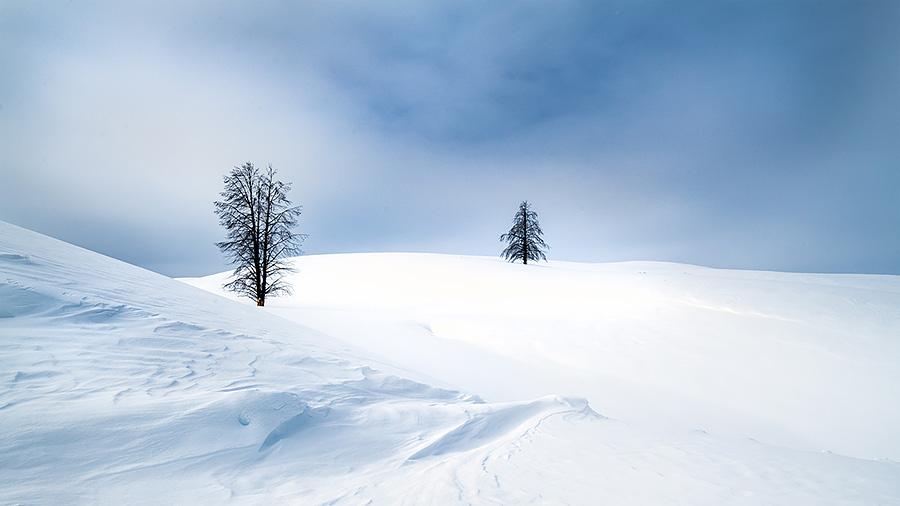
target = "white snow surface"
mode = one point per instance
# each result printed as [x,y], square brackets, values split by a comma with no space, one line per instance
[633,383]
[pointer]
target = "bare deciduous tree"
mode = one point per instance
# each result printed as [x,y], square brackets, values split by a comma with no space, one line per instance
[260,220]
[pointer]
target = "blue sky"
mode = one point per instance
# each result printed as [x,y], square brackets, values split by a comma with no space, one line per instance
[753,135]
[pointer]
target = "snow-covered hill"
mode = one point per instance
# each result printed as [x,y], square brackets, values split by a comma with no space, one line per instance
[120,386]
[809,361]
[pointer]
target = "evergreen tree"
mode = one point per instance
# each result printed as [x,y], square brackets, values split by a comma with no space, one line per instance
[524,238]
[260,220]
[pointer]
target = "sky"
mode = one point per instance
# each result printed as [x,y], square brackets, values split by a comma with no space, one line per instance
[732,134]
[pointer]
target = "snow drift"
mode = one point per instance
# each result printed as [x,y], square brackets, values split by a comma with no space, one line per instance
[120,386]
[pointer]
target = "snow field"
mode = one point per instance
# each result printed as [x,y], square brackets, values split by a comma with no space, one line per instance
[802,360]
[120,386]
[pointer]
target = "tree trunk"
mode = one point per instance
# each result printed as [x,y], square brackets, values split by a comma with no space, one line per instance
[524,243]
[261,302]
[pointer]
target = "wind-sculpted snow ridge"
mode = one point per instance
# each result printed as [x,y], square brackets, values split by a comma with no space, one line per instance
[497,422]
[119,386]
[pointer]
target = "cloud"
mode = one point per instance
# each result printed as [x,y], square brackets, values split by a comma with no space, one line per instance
[730,134]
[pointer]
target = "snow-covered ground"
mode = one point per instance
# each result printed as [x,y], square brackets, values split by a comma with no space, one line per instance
[808,361]
[432,379]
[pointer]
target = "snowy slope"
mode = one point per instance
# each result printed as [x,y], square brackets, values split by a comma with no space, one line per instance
[120,386]
[809,361]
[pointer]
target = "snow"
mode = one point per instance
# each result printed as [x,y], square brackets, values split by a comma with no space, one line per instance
[801,360]
[435,379]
